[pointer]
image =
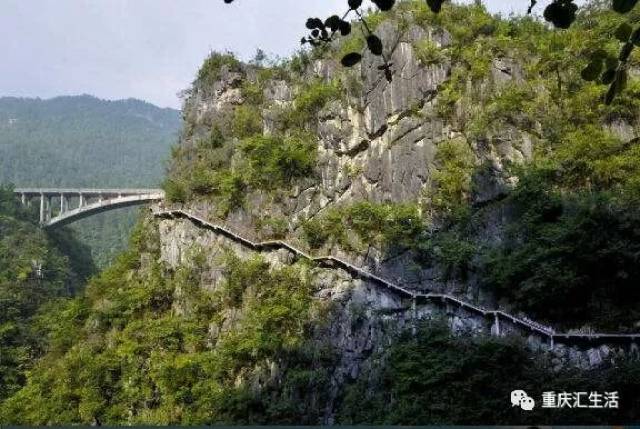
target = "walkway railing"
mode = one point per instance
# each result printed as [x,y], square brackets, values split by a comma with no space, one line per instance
[357,272]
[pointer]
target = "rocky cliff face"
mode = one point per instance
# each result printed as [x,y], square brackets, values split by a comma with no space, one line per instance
[438,124]
[377,142]
[362,317]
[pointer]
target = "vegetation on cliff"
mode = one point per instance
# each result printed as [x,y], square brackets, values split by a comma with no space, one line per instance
[441,379]
[234,157]
[152,344]
[145,345]
[36,269]
[570,242]
[582,166]
[395,226]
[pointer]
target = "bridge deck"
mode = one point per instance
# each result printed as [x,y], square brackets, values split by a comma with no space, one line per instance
[84,191]
[87,201]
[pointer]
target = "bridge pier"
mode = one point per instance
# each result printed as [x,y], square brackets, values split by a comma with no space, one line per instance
[41,208]
[49,208]
[80,200]
[495,328]
[414,316]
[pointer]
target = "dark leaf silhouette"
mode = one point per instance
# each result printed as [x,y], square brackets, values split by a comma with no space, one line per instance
[435,5]
[333,22]
[313,23]
[635,37]
[593,70]
[375,44]
[608,76]
[388,72]
[621,80]
[611,93]
[623,32]
[561,13]
[617,86]
[623,6]
[345,28]
[355,4]
[351,59]
[384,5]
[625,51]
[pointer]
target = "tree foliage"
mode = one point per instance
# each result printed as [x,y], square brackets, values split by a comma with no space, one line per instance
[607,70]
[148,345]
[437,378]
[36,270]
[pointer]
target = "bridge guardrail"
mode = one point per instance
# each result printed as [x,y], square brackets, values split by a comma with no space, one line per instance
[87,205]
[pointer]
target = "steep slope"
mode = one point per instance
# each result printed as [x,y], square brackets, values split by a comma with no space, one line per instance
[486,171]
[36,269]
[418,173]
[84,141]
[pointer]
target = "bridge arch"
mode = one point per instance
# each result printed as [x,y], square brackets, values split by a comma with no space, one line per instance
[78,203]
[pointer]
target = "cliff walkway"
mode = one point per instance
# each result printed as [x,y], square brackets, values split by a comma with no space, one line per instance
[498,317]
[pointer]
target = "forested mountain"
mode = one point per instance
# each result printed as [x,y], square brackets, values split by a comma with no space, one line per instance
[36,270]
[479,210]
[84,141]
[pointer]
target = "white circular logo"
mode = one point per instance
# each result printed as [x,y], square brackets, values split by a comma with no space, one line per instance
[519,398]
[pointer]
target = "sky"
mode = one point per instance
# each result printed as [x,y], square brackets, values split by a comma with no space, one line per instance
[146,49]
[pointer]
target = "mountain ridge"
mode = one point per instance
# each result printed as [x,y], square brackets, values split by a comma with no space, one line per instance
[84,141]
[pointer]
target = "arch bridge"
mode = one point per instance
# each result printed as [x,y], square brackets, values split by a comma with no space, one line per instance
[65,205]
